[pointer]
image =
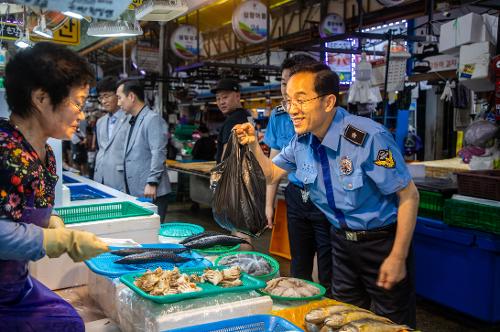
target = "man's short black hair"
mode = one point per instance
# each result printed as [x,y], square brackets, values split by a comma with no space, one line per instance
[134,86]
[295,60]
[107,84]
[326,81]
[53,68]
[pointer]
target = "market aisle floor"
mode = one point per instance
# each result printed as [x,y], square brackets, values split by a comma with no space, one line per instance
[430,317]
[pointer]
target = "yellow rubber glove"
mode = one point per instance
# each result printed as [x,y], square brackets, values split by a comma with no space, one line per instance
[79,245]
[56,222]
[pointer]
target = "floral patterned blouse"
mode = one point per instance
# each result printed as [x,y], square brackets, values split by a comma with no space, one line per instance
[25,181]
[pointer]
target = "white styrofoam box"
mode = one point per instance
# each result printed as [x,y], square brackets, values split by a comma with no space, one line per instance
[442,62]
[103,291]
[474,66]
[490,28]
[463,30]
[62,272]
[139,315]
[173,176]
[416,170]
[118,196]
[447,37]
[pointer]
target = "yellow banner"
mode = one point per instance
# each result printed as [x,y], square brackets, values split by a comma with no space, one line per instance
[134,4]
[67,34]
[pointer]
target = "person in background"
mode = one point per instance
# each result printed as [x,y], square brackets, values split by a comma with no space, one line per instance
[145,148]
[205,147]
[227,96]
[111,131]
[78,148]
[353,171]
[46,88]
[228,99]
[308,228]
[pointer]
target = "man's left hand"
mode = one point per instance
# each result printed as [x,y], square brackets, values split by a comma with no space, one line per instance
[392,271]
[150,191]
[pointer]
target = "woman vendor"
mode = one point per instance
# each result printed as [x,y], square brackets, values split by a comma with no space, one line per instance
[46,87]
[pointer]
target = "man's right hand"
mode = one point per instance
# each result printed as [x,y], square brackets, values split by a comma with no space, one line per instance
[245,133]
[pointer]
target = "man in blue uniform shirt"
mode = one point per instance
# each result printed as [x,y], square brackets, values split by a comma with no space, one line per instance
[308,228]
[356,175]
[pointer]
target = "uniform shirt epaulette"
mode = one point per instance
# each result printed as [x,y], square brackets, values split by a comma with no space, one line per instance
[279,110]
[355,135]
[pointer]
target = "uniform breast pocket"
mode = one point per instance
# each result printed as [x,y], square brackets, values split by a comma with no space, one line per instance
[352,186]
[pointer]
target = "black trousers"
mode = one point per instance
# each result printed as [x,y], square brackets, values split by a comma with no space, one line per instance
[308,233]
[162,203]
[356,266]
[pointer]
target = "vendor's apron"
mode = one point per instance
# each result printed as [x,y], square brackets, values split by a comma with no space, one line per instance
[26,304]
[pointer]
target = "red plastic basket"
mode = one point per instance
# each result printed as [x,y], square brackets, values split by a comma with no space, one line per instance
[483,184]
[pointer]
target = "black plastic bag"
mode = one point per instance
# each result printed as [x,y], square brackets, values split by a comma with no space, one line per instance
[240,190]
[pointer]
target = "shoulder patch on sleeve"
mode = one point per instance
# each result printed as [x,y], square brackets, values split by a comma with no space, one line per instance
[385,159]
[355,135]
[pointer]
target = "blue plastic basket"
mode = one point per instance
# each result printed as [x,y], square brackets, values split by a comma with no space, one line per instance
[256,323]
[179,229]
[104,264]
[67,179]
[84,192]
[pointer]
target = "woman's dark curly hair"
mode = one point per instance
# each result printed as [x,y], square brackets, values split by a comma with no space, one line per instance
[52,68]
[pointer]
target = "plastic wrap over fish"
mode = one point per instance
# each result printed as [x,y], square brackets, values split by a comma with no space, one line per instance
[240,190]
[139,315]
[254,265]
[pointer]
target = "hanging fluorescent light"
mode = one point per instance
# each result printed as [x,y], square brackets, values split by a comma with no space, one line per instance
[24,41]
[78,16]
[161,10]
[41,28]
[118,28]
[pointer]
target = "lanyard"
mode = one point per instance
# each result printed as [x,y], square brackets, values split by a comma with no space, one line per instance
[325,166]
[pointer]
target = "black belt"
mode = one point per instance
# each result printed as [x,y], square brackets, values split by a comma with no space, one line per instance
[356,236]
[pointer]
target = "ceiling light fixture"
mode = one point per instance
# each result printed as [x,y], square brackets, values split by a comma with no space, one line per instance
[78,16]
[161,10]
[41,28]
[118,28]
[24,41]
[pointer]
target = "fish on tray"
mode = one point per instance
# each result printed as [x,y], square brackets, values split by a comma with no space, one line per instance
[290,287]
[132,251]
[249,263]
[214,240]
[152,256]
[199,236]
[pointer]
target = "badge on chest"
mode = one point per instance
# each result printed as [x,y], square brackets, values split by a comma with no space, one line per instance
[345,165]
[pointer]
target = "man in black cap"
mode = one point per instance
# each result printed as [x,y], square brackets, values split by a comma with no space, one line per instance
[227,96]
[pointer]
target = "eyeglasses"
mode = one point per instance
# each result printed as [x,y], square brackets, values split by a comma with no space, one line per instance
[288,103]
[106,96]
[77,106]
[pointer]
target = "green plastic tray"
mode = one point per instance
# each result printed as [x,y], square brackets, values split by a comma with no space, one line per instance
[218,250]
[97,212]
[322,292]
[472,215]
[179,229]
[431,204]
[274,263]
[249,283]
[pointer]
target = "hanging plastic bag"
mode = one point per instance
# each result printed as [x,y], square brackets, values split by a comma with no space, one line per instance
[239,188]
